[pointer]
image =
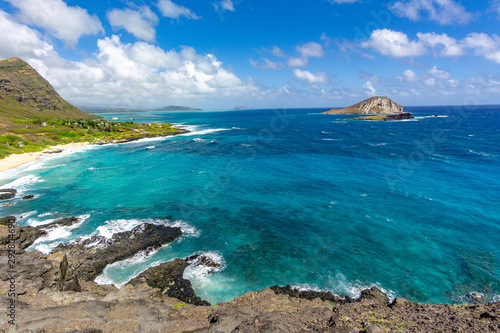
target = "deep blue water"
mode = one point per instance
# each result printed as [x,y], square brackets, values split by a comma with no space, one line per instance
[293,197]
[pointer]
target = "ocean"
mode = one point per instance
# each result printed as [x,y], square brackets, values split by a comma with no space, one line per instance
[289,196]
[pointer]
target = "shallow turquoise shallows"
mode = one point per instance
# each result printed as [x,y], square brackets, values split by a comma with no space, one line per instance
[293,197]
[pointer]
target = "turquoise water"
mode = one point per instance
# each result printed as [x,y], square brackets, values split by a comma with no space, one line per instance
[293,197]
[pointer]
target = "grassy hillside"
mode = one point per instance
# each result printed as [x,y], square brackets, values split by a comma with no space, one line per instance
[33,116]
[21,83]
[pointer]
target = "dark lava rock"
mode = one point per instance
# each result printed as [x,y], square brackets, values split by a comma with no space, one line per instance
[199,260]
[168,278]
[400,116]
[28,197]
[64,222]
[88,258]
[7,193]
[23,237]
[307,294]
[374,295]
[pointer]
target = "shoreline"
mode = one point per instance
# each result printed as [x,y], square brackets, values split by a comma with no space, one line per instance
[14,161]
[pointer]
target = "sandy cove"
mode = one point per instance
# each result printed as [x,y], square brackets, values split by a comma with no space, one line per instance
[16,160]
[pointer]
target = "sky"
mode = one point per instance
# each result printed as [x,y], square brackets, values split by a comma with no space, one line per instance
[221,54]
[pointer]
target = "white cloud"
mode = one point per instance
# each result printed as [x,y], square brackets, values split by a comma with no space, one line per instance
[67,23]
[409,75]
[439,74]
[297,62]
[484,45]
[368,88]
[268,64]
[18,40]
[442,45]
[442,11]
[277,52]
[175,11]
[430,82]
[127,75]
[227,5]
[311,49]
[310,77]
[393,43]
[140,22]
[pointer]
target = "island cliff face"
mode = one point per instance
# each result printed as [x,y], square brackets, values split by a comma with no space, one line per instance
[372,105]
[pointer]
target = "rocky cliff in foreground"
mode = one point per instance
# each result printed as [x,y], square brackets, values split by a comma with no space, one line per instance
[53,296]
[372,105]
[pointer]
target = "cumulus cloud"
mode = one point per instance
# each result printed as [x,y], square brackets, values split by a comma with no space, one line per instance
[67,23]
[310,77]
[442,11]
[439,74]
[268,64]
[393,43]
[175,11]
[277,52]
[442,45]
[368,88]
[297,62]
[225,5]
[125,74]
[140,22]
[18,40]
[308,50]
[484,45]
[409,76]
[311,49]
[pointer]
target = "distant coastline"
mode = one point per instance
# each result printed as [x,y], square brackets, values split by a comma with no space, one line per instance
[92,109]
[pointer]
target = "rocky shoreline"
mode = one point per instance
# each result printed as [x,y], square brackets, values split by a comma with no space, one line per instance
[56,293]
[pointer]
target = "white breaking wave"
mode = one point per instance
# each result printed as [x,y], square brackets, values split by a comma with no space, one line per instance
[198,274]
[57,235]
[136,261]
[340,286]
[112,227]
[24,183]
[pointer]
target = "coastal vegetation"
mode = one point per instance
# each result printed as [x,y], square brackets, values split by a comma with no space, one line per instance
[36,134]
[33,116]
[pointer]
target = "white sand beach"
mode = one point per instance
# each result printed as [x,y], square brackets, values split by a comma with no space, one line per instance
[16,160]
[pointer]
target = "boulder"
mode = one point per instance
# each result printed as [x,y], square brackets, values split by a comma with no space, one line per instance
[7,193]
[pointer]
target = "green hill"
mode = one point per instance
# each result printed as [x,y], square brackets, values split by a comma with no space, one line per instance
[24,94]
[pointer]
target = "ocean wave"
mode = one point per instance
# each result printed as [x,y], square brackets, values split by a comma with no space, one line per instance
[22,184]
[340,286]
[112,227]
[433,116]
[198,273]
[135,265]
[55,236]
[480,153]
[150,147]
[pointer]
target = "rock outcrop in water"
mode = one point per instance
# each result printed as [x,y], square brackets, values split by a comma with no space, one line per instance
[50,298]
[89,257]
[372,105]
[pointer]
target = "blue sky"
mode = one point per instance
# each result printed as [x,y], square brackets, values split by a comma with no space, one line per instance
[220,54]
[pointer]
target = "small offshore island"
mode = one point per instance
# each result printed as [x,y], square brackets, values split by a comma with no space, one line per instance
[56,292]
[374,108]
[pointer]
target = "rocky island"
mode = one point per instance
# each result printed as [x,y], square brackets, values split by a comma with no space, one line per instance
[375,108]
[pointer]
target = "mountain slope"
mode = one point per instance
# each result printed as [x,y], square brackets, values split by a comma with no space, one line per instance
[372,105]
[25,93]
